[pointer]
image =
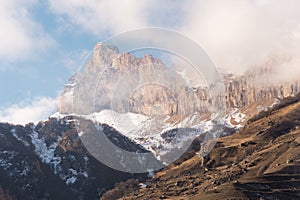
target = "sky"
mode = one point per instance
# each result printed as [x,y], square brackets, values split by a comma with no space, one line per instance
[44,42]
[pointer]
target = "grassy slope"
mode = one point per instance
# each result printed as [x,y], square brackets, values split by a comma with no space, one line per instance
[260,161]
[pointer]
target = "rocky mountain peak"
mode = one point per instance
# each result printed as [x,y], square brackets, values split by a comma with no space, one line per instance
[107,74]
[102,55]
[105,55]
[107,67]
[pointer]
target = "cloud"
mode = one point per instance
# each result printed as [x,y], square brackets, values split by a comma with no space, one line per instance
[167,13]
[21,36]
[23,113]
[236,34]
[109,17]
[241,34]
[101,16]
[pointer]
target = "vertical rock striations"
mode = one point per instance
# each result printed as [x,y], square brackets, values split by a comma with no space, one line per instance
[111,80]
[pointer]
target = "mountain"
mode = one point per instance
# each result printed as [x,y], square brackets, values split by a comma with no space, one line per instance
[107,66]
[49,161]
[157,98]
[261,161]
[258,84]
[111,80]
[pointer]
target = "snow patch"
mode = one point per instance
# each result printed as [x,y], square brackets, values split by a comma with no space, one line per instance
[148,132]
[71,180]
[14,133]
[124,122]
[142,185]
[276,101]
[47,154]
[57,115]
[237,116]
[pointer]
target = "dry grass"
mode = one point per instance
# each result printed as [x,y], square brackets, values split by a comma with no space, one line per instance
[260,161]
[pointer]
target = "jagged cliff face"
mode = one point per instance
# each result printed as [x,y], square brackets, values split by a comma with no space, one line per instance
[125,83]
[109,81]
[255,86]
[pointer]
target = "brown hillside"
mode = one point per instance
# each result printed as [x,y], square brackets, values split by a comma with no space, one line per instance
[261,161]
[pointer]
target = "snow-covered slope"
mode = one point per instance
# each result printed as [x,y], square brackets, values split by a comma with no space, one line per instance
[161,136]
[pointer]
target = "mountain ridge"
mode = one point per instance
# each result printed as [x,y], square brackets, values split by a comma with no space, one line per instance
[107,63]
[260,161]
[33,156]
[48,161]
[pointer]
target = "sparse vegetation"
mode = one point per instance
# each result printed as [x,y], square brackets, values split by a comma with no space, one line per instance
[121,189]
[259,161]
[283,103]
[282,127]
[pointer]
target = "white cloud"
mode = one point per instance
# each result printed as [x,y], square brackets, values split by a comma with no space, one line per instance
[20,35]
[236,34]
[101,16]
[108,17]
[39,108]
[166,13]
[240,34]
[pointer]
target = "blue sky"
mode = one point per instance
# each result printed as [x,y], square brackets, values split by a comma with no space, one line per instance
[44,72]
[42,43]
[49,41]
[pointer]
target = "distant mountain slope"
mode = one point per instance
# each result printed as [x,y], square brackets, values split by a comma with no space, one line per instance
[49,161]
[261,161]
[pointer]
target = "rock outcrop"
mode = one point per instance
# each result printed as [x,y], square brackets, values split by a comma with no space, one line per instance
[125,83]
[255,86]
[111,80]
[49,161]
